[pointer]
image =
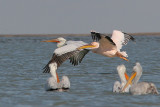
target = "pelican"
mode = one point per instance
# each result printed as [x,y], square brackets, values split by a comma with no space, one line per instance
[109,47]
[121,69]
[141,87]
[53,85]
[66,50]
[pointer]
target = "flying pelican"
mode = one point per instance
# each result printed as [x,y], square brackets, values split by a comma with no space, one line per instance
[121,69]
[141,87]
[109,47]
[66,50]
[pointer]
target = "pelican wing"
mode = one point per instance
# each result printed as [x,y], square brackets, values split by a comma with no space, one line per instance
[58,59]
[77,57]
[103,39]
[106,43]
[121,38]
[95,36]
[127,38]
[68,51]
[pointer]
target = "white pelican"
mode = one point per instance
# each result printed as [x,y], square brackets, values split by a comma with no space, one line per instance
[121,69]
[141,87]
[107,46]
[66,50]
[52,84]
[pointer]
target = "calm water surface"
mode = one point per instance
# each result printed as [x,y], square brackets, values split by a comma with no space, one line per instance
[22,81]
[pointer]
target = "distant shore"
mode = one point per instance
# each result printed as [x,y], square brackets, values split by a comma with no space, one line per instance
[50,35]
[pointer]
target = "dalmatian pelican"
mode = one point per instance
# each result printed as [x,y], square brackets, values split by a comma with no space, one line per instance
[139,88]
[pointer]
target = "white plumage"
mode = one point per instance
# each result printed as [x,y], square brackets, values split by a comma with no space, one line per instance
[69,47]
[53,68]
[109,47]
[118,38]
[141,87]
[118,86]
[65,83]
[52,84]
[66,50]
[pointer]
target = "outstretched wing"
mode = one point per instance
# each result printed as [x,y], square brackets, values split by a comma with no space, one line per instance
[68,51]
[105,41]
[121,38]
[95,36]
[58,60]
[77,57]
[127,38]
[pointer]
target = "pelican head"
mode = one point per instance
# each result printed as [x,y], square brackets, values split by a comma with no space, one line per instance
[60,41]
[137,70]
[121,69]
[135,76]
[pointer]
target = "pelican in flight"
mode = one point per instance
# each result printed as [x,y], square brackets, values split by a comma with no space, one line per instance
[141,87]
[121,69]
[66,50]
[109,47]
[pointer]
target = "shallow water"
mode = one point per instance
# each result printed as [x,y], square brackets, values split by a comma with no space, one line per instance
[22,81]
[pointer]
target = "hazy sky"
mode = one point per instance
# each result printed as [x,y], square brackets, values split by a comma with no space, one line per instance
[78,16]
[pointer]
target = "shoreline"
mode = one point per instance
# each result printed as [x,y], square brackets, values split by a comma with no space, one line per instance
[50,35]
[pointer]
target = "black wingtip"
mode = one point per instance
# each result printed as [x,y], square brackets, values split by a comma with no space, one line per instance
[95,35]
[131,37]
[46,69]
[93,32]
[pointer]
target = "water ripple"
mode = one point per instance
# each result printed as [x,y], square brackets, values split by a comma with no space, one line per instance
[22,81]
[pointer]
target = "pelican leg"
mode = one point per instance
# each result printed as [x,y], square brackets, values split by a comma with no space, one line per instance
[121,56]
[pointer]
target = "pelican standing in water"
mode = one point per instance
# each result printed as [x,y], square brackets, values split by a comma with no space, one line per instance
[121,69]
[109,47]
[141,87]
[53,85]
[66,50]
